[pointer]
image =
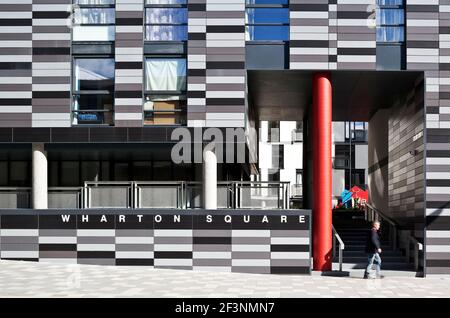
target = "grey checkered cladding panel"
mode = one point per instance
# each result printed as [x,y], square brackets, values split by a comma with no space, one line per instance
[129,55]
[406,172]
[428,48]
[332,34]
[216,63]
[237,243]
[15,63]
[51,78]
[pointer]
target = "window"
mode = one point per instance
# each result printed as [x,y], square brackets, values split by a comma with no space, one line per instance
[390,21]
[273,131]
[94,20]
[298,176]
[358,131]
[166,20]
[297,134]
[267,20]
[165,91]
[165,74]
[278,156]
[93,91]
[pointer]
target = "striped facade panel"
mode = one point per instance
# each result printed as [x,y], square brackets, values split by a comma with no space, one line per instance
[356,35]
[426,42]
[51,63]
[96,242]
[129,50]
[438,245]
[19,237]
[251,254]
[58,240]
[251,242]
[196,63]
[173,242]
[225,63]
[310,34]
[211,244]
[15,63]
[134,240]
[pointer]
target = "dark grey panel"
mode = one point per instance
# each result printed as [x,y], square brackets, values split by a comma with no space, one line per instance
[390,57]
[266,56]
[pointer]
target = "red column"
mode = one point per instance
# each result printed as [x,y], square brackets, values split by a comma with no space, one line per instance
[322,172]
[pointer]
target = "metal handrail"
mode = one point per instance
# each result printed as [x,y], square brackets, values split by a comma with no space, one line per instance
[341,247]
[375,215]
[417,248]
[417,245]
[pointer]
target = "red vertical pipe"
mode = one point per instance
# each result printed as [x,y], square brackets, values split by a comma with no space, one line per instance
[322,174]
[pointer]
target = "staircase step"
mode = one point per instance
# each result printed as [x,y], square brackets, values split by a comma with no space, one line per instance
[363,253]
[359,273]
[385,266]
[363,259]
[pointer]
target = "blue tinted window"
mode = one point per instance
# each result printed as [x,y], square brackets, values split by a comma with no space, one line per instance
[250,2]
[390,2]
[166,1]
[267,16]
[267,24]
[267,33]
[390,34]
[390,17]
[390,21]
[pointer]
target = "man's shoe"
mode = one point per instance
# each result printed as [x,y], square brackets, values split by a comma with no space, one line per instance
[380,277]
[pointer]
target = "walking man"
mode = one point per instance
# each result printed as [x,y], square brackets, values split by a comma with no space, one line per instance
[373,250]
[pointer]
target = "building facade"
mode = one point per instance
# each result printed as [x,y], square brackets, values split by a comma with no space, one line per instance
[92,90]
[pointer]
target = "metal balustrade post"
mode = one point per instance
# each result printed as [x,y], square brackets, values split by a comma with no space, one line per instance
[407,251]
[135,190]
[416,257]
[334,245]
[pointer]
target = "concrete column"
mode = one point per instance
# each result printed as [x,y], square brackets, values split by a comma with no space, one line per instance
[39,192]
[209,180]
[322,171]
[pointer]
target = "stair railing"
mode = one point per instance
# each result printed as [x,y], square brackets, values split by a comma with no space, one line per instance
[337,238]
[417,248]
[373,214]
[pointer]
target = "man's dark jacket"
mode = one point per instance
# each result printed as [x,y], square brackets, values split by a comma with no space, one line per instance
[373,241]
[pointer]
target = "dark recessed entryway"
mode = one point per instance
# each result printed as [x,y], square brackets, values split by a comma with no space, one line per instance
[357,95]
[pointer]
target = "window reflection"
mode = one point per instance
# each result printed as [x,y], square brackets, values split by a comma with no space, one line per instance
[166,24]
[390,21]
[93,98]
